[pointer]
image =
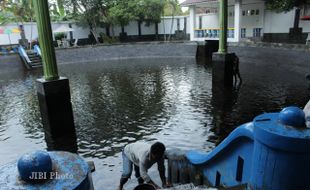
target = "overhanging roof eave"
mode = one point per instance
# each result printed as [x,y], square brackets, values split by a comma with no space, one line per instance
[197,3]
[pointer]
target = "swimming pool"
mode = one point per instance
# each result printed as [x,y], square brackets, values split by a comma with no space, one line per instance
[170,100]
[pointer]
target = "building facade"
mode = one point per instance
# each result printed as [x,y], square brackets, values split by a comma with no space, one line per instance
[247,19]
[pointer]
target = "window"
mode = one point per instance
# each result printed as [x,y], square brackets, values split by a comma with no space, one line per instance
[200,22]
[257,12]
[243,13]
[257,32]
[248,12]
[243,32]
[211,10]
[252,12]
[178,24]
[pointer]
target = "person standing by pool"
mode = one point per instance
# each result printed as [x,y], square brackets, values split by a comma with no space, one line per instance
[142,156]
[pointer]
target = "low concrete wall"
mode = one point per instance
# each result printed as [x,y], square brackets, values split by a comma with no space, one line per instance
[127,51]
[284,46]
[113,52]
[283,38]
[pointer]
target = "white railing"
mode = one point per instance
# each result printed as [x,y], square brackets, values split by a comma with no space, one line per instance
[22,53]
[213,33]
[37,49]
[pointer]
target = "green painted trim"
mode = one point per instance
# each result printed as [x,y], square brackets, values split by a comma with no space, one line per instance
[46,40]
[223,26]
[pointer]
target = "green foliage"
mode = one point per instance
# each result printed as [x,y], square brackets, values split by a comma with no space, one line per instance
[57,10]
[122,12]
[149,11]
[60,36]
[6,17]
[285,5]
[18,10]
[172,7]
[118,13]
[90,12]
[109,40]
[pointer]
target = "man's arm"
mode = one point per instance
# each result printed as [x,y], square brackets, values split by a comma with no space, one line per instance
[161,170]
[145,176]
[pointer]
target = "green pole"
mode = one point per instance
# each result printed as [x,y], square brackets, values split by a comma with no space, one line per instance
[223,27]
[46,40]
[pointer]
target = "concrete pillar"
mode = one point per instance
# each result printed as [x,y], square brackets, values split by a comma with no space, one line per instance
[57,115]
[222,70]
[237,23]
[53,91]
[192,21]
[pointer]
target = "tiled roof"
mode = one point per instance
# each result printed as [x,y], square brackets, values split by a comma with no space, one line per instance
[193,2]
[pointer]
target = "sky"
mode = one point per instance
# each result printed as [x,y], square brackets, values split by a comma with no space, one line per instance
[183,8]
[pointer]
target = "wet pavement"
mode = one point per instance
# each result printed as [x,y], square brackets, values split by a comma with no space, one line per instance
[170,100]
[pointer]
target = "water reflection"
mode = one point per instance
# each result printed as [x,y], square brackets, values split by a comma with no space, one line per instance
[171,100]
[119,102]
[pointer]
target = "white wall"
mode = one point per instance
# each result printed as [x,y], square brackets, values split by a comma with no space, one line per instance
[80,32]
[305,24]
[278,22]
[132,28]
[210,20]
[31,32]
[147,30]
[282,22]
[5,38]
[166,25]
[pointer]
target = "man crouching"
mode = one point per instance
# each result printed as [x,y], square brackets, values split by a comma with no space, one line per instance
[142,156]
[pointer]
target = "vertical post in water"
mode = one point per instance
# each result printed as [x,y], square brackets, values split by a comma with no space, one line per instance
[53,91]
[46,40]
[223,27]
[223,61]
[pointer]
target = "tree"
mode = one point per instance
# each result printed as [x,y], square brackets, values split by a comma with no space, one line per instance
[172,7]
[91,13]
[5,17]
[121,12]
[18,11]
[118,14]
[173,4]
[148,11]
[57,10]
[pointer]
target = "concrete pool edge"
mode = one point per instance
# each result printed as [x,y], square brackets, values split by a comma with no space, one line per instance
[127,51]
[118,52]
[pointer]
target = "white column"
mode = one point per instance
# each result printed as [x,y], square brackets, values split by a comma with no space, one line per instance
[192,21]
[237,21]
